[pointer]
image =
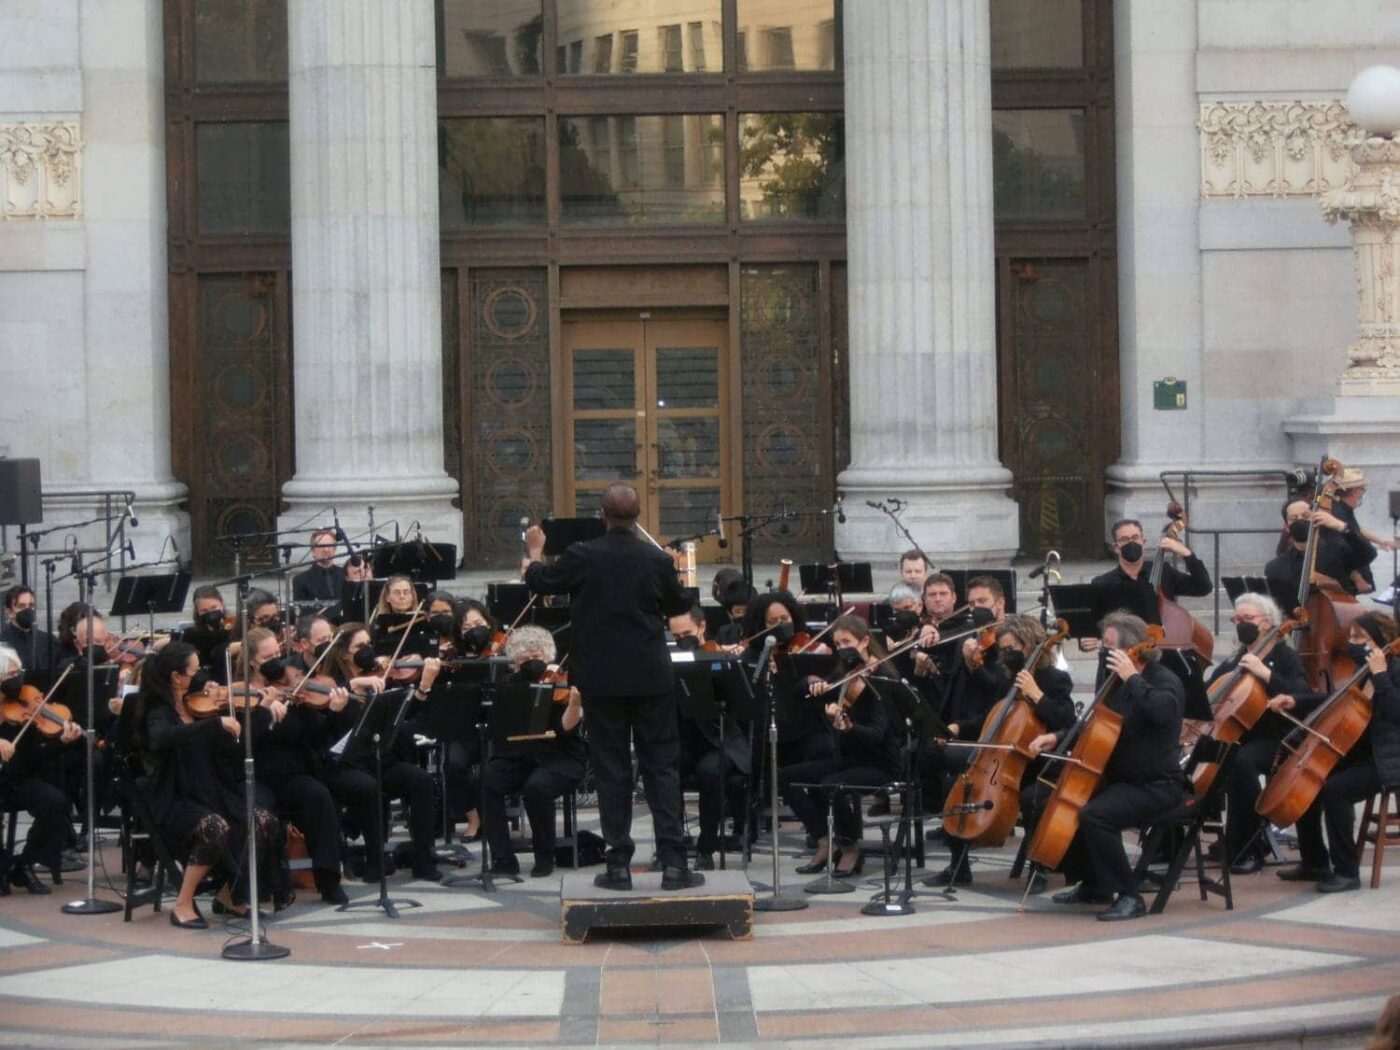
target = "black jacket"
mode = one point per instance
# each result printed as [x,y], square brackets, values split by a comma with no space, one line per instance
[1385,724]
[318,585]
[1149,748]
[871,740]
[1115,589]
[1287,677]
[620,588]
[38,650]
[1284,574]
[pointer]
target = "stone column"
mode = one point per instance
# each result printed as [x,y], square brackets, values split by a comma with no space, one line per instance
[366,290]
[922,284]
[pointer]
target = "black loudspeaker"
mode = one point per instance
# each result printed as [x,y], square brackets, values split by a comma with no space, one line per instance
[21,495]
[1395,504]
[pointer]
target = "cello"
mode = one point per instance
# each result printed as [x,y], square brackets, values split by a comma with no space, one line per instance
[1085,752]
[1329,734]
[1180,629]
[1239,700]
[995,772]
[1330,609]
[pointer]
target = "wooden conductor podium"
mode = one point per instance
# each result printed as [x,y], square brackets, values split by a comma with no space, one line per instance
[726,900]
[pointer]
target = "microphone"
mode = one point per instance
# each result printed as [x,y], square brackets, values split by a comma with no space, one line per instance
[873,505]
[768,644]
[75,566]
[131,515]
[1036,573]
[340,534]
[130,550]
[840,508]
[719,520]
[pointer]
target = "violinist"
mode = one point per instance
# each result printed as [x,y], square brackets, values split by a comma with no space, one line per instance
[209,633]
[289,763]
[701,758]
[29,777]
[913,569]
[472,636]
[22,632]
[476,628]
[196,789]
[398,596]
[441,611]
[320,582]
[1142,780]
[933,660]
[778,614]
[351,780]
[543,773]
[1048,689]
[1373,762]
[905,605]
[733,593]
[979,681]
[263,611]
[864,750]
[1281,673]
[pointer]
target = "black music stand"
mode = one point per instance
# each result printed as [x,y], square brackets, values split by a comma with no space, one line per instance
[1237,585]
[1077,604]
[505,601]
[559,533]
[844,577]
[144,596]
[417,559]
[388,631]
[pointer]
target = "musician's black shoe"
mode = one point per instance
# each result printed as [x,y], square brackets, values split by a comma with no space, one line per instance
[23,875]
[426,872]
[704,862]
[1127,906]
[505,866]
[1081,894]
[655,864]
[615,879]
[947,877]
[680,879]
[1338,883]
[334,894]
[199,922]
[1302,873]
[1247,865]
[543,869]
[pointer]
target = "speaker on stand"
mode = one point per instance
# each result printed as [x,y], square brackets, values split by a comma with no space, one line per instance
[21,502]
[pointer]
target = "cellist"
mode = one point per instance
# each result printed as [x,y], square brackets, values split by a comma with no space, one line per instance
[1142,780]
[1281,673]
[1374,761]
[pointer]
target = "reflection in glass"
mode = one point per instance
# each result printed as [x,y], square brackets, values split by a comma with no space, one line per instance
[244,177]
[604,379]
[687,448]
[782,35]
[491,171]
[492,38]
[1038,164]
[240,41]
[643,170]
[687,377]
[1037,34]
[605,449]
[639,36]
[687,512]
[792,166]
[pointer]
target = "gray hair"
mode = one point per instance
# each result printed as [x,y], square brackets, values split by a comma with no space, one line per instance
[525,642]
[902,592]
[1132,630]
[1262,604]
[10,661]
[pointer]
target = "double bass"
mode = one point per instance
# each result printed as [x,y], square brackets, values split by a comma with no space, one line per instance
[1002,757]
[1085,753]
[1180,629]
[1328,735]
[1239,700]
[1330,609]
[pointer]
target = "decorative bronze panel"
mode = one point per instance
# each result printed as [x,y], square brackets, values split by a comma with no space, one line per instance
[508,469]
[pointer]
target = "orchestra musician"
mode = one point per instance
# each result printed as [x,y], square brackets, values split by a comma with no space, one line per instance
[1142,780]
[209,633]
[914,569]
[620,588]
[701,756]
[542,772]
[321,581]
[1373,762]
[476,627]
[864,750]
[733,593]
[30,778]
[440,608]
[21,630]
[1335,556]
[778,614]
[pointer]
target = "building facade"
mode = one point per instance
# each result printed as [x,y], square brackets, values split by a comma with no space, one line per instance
[464,262]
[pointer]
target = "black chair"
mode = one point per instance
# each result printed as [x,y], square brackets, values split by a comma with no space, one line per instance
[138,830]
[1186,824]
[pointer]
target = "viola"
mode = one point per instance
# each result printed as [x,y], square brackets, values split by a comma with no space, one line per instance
[1085,753]
[1181,629]
[999,763]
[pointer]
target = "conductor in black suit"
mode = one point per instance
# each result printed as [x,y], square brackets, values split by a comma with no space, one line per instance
[621,588]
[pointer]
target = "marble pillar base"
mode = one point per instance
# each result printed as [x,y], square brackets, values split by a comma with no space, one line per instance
[414,503]
[159,518]
[1363,432]
[961,521]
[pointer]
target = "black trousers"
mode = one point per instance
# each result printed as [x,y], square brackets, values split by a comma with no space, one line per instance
[463,782]
[308,803]
[354,788]
[613,723]
[1335,807]
[810,803]
[1252,762]
[539,784]
[705,769]
[1096,857]
[48,834]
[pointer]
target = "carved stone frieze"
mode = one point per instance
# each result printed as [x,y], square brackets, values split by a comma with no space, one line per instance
[1274,149]
[40,170]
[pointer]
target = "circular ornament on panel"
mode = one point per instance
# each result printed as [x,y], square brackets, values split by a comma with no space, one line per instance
[241,318]
[510,313]
[242,518]
[784,376]
[510,381]
[783,447]
[239,388]
[511,453]
[240,456]
[1052,302]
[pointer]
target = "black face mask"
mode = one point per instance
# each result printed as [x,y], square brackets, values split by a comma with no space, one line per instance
[533,669]
[441,623]
[273,670]
[1298,530]
[1358,653]
[476,638]
[1012,659]
[274,625]
[24,619]
[364,659]
[688,642]
[319,651]
[11,686]
[199,681]
[1247,633]
[849,657]
[783,633]
[1131,552]
[981,617]
[212,620]
[905,621]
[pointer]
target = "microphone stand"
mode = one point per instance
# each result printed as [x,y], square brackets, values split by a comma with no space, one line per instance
[775,901]
[89,905]
[256,947]
[893,512]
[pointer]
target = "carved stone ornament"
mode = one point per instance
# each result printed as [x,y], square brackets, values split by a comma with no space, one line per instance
[40,171]
[1274,149]
[1370,202]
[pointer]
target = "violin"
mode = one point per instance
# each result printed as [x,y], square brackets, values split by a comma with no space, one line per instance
[1181,629]
[986,638]
[215,700]
[33,707]
[1085,753]
[559,678]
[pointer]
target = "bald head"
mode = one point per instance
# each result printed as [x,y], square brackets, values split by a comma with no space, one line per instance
[620,504]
